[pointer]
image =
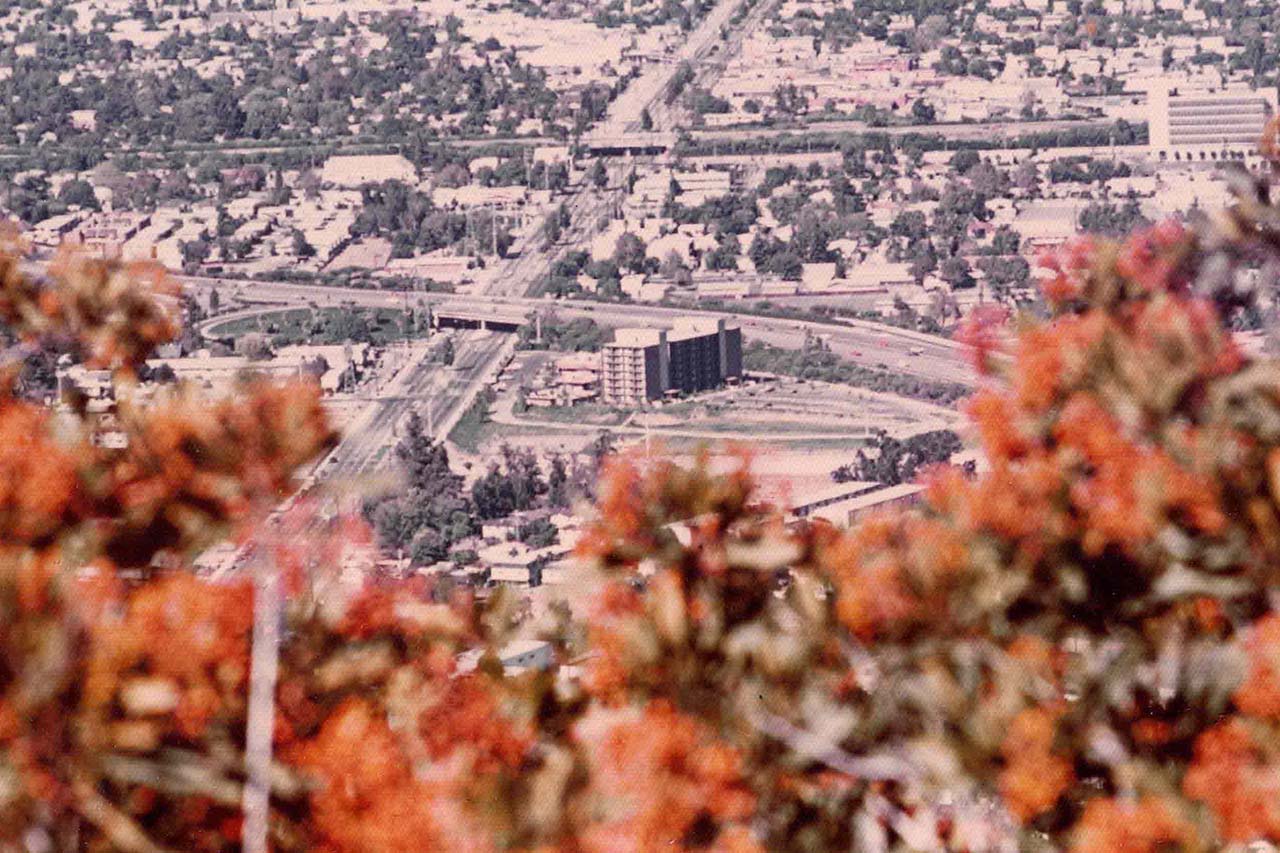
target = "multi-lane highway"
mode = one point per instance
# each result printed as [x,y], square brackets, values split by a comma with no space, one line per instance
[710,57]
[862,342]
[960,131]
[648,91]
[521,275]
[439,393]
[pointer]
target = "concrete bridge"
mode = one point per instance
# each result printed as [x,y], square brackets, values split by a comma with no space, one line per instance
[503,319]
[608,143]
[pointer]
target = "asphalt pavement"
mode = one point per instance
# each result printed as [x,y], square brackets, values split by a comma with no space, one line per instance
[862,342]
[438,393]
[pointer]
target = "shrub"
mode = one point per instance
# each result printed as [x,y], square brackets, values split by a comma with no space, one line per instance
[1075,649]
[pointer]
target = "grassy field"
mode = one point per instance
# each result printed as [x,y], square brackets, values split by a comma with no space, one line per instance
[322,326]
[586,414]
[469,431]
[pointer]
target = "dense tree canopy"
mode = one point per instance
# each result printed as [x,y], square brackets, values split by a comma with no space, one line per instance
[893,461]
[388,92]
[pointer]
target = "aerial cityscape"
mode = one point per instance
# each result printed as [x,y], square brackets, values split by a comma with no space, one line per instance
[508,243]
[512,220]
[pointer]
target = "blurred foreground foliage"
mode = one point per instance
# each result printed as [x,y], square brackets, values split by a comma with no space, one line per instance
[1074,649]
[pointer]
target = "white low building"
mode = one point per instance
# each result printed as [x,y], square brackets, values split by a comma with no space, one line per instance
[1188,124]
[354,170]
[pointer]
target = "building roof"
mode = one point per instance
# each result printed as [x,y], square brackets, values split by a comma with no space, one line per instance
[353,170]
[578,361]
[509,574]
[871,499]
[818,498]
[1048,219]
[694,327]
[636,338]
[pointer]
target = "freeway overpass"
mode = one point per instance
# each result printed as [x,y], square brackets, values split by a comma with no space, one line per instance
[468,315]
[996,132]
[488,318]
[612,142]
[860,341]
[637,143]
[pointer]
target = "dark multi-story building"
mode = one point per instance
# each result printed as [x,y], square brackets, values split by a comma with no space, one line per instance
[697,354]
[702,355]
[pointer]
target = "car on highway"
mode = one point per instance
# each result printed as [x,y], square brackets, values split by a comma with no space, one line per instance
[916,351]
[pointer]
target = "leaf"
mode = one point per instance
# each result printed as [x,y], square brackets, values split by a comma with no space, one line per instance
[143,697]
[359,664]
[767,554]
[1181,581]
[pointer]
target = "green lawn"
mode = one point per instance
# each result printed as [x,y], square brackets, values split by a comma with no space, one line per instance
[586,414]
[469,431]
[322,326]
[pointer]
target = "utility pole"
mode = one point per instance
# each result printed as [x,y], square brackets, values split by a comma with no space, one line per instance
[263,671]
[405,340]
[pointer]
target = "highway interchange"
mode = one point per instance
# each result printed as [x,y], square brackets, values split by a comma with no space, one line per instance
[865,343]
[510,287]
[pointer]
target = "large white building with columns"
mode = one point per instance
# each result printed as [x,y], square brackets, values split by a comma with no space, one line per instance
[1206,125]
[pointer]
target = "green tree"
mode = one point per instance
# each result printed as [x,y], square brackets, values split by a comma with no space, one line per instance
[427,547]
[629,252]
[599,175]
[551,230]
[494,494]
[558,483]
[674,268]
[78,192]
[956,272]
[195,252]
[893,461]
[426,462]
[922,112]
[964,160]
[302,248]
[1027,178]
[725,255]
[538,533]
